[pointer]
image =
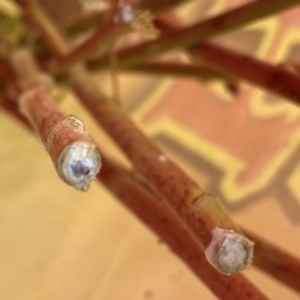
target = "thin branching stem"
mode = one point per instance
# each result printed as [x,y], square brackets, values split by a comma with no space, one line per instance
[93,19]
[104,36]
[197,33]
[275,79]
[158,218]
[171,68]
[276,262]
[73,153]
[268,258]
[200,211]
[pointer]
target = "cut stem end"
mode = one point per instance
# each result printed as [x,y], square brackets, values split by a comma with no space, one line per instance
[228,251]
[79,164]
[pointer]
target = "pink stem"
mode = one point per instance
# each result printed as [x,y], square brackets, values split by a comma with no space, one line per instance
[275,262]
[156,216]
[74,155]
[197,33]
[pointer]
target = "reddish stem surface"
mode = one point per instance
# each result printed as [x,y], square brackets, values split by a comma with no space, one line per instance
[74,155]
[176,69]
[185,196]
[228,62]
[104,35]
[264,75]
[159,219]
[197,33]
[276,262]
[199,210]
[156,216]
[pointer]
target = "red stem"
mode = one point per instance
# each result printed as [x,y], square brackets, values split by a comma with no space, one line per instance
[198,209]
[156,216]
[268,258]
[264,75]
[197,33]
[104,35]
[221,60]
[74,155]
[275,262]
[171,68]
[12,109]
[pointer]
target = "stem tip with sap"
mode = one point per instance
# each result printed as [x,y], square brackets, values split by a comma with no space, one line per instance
[229,251]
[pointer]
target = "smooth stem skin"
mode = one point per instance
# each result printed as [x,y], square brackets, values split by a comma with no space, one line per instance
[11,108]
[200,211]
[91,20]
[105,35]
[164,68]
[156,6]
[134,195]
[158,218]
[72,151]
[197,33]
[150,162]
[94,19]
[9,80]
[275,262]
[274,79]
[37,18]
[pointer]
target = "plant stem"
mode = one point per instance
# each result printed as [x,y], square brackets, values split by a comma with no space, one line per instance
[104,35]
[85,22]
[197,33]
[219,59]
[200,211]
[89,21]
[164,68]
[275,262]
[11,88]
[158,217]
[159,6]
[74,155]
[277,80]
[35,16]
[11,108]
[268,258]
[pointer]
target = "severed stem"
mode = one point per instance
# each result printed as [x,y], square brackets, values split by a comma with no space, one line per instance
[74,154]
[166,225]
[275,79]
[200,211]
[95,18]
[159,219]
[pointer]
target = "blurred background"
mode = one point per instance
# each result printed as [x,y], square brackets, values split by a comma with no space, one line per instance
[60,244]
